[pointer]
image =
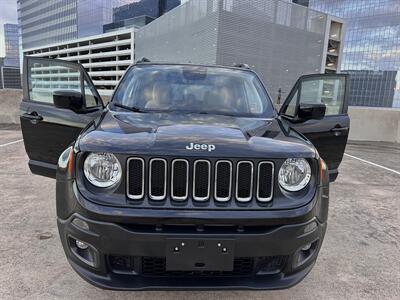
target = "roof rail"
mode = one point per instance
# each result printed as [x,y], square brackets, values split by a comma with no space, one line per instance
[143,60]
[244,66]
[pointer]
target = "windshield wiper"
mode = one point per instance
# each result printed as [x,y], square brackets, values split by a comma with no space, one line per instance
[202,112]
[220,113]
[133,108]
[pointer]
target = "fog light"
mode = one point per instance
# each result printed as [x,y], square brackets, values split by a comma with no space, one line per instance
[305,253]
[84,251]
[81,245]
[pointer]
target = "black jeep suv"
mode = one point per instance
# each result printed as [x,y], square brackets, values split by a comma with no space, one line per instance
[188,178]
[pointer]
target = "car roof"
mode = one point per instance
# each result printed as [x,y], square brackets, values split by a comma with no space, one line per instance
[191,65]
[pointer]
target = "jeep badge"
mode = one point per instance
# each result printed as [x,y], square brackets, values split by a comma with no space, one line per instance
[193,146]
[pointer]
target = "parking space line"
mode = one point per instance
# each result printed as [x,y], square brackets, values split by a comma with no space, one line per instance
[373,164]
[11,143]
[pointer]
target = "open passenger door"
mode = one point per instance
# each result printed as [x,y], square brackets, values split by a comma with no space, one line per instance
[317,108]
[59,100]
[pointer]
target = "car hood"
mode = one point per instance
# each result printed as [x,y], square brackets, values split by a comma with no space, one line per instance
[173,134]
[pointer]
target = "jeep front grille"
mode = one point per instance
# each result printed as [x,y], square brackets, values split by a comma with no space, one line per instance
[244,181]
[199,180]
[264,188]
[223,180]
[179,179]
[136,178]
[158,179]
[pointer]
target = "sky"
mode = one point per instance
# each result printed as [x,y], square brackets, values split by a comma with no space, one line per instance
[8,14]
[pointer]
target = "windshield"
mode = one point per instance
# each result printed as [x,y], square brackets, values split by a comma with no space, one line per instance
[194,89]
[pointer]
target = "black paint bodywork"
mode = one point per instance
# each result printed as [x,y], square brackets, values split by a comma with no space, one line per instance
[55,138]
[329,135]
[143,232]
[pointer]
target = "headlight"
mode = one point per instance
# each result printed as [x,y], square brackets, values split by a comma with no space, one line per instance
[102,169]
[294,174]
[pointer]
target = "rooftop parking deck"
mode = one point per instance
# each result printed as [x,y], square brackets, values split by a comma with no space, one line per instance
[359,257]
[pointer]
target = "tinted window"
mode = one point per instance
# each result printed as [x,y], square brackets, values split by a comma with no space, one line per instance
[90,98]
[194,89]
[291,108]
[319,90]
[329,91]
[45,77]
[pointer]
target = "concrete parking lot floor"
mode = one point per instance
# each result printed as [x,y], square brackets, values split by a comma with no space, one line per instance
[359,258]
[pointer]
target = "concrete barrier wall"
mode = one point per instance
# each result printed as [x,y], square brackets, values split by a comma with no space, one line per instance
[9,106]
[367,123]
[374,124]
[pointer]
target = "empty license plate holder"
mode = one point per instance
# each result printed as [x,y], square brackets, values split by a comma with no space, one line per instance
[199,254]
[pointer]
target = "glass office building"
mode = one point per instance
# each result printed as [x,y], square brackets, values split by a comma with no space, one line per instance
[151,8]
[45,22]
[371,52]
[48,22]
[11,42]
[139,13]
[10,78]
[92,15]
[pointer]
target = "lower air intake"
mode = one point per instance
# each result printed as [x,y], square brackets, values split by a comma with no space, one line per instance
[156,266]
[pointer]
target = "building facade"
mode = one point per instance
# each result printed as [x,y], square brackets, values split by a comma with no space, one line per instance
[135,23]
[279,40]
[139,14]
[57,21]
[46,22]
[371,52]
[92,15]
[151,8]
[10,78]
[105,57]
[11,41]
[73,30]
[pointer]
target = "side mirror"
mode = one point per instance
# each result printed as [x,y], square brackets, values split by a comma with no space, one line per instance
[311,111]
[68,99]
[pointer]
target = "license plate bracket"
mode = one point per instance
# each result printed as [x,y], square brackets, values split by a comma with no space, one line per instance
[195,254]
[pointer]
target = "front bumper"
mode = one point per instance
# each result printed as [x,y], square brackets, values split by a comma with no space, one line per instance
[111,240]
[123,241]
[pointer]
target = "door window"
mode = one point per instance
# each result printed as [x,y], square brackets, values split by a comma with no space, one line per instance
[291,108]
[319,90]
[90,98]
[45,77]
[328,91]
